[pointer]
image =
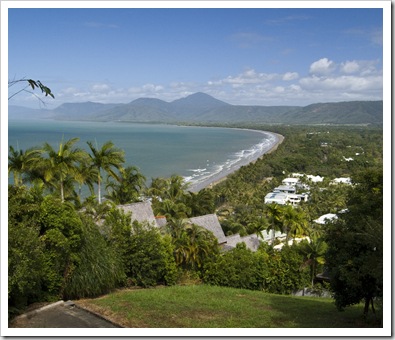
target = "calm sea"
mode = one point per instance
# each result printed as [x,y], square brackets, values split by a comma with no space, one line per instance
[196,153]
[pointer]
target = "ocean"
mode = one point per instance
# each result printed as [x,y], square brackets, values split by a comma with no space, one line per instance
[200,154]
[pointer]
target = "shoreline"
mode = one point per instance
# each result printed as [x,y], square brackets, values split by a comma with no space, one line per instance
[216,179]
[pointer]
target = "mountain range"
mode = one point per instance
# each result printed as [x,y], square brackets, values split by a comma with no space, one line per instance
[205,109]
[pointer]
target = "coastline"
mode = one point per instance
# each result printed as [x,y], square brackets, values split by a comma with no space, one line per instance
[214,180]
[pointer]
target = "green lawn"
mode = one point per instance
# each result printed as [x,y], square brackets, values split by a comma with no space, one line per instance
[202,306]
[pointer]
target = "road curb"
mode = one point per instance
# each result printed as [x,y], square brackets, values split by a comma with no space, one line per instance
[38,310]
[99,316]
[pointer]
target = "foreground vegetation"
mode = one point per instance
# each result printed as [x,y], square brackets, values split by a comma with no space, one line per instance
[62,245]
[202,306]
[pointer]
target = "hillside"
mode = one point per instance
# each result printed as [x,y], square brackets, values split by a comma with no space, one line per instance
[202,108]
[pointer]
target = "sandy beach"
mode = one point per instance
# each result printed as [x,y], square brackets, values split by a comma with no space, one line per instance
[217,178]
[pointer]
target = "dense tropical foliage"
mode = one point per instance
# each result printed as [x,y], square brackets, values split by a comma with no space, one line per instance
[66,244]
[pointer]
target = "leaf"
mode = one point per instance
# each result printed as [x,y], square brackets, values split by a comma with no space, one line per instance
[32,83]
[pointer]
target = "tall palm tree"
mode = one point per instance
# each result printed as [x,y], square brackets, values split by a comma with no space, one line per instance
[273,213]
[20,162]
[201,203]
[107,158]
[127,187]
[177,188]
[171,209]
[85,174]
[314,255]
[294,221]
[61,163]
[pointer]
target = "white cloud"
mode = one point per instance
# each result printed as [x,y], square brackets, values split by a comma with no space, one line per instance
[322,67]
[152,88]
[343,83]
[321,81]
[249,76]
[350,67]
[101,88]
[290,76]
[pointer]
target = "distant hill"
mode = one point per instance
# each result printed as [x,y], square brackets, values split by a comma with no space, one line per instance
[355,112]
[202,108]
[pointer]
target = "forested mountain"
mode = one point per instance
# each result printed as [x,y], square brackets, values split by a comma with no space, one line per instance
[202,108]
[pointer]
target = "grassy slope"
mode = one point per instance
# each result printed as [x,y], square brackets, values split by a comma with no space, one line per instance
[204,306]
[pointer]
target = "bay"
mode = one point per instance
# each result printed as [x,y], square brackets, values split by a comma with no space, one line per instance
[199,154]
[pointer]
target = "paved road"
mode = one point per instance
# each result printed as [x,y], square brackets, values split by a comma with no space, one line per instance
[60,315]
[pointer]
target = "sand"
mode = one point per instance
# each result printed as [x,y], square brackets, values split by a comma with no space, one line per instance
[210,182]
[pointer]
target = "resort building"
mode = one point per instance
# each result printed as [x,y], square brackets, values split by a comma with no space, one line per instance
[325,218]
[210,222]
[142,212]
[290,181]
[342,180]
[286,193]
[288,189]
[295,199]
[276,197]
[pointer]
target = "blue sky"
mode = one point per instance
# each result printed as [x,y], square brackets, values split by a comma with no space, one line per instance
[253,56]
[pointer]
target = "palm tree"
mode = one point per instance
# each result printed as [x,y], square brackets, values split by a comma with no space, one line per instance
[257,226]
[20,162]
[294,222]
[314,255]
[107,158]
[127,187]
[201,203]
[85,174]
[273,213]
[171,209]
[177,188]
[61,163]
[192,243]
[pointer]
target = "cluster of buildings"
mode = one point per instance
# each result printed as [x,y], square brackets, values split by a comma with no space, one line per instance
[142,212]
[286,193]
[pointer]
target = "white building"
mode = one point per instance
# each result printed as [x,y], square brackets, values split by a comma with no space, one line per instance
[295,199]
[285,198]
[315,179]
[276,197]
[288,189]
[290,181]
[344,180]
[326,218]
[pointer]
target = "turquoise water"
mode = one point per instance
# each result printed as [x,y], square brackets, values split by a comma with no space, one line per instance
[196,153]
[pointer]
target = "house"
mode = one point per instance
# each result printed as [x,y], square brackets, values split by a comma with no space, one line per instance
[252,242]
[276,197]
[325,218]
[315,179]
[210,222]
[290,181]
[344,180]
[141,212]
[289,189]
[292,241]
[295,199]
[285,198]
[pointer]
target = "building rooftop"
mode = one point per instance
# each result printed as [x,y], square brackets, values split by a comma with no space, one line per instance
[211,223]
[141,212]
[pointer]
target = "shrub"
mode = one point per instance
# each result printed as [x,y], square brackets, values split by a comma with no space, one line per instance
[238,268]
[281,269]
[60,229]
[150,257]
[100,268]
[25,251]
